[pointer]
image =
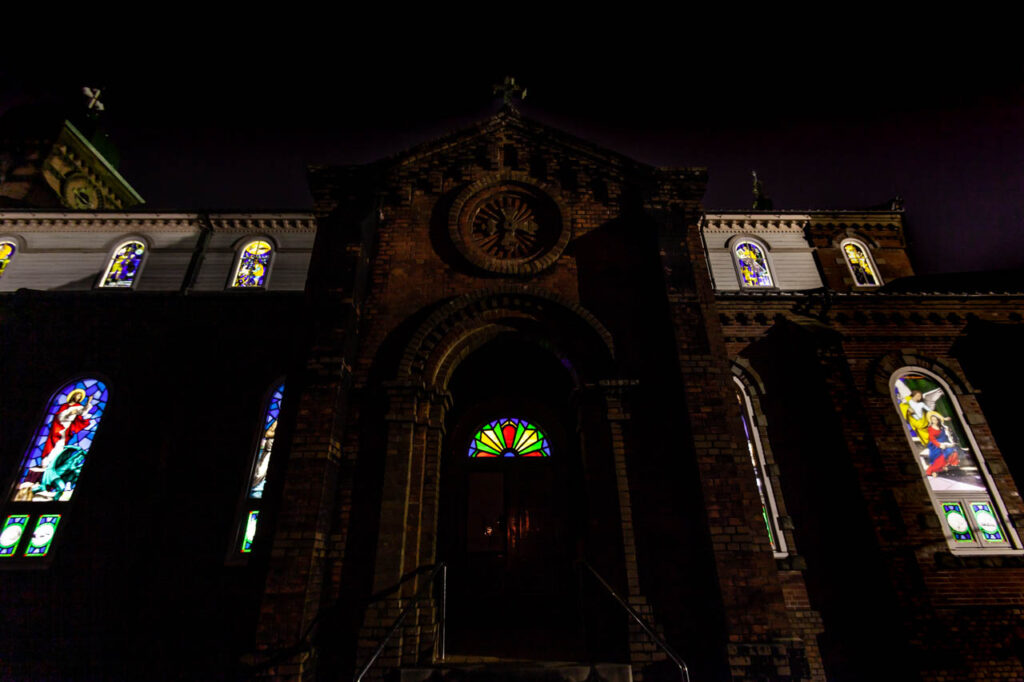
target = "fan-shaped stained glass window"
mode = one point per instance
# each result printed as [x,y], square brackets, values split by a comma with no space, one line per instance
[948,460]
[510,437]
[124,265]
[253,265]
[55,459]
[7,250]
[752,265]
[859,260]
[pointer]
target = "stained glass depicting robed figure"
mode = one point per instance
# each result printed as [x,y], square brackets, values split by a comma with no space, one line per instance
[55,459]
[936,435]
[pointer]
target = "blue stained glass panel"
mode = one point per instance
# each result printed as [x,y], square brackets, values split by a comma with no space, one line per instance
[259,471]
[124,265]
[54,461]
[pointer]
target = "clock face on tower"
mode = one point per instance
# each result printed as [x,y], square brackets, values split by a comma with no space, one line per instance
[80,192]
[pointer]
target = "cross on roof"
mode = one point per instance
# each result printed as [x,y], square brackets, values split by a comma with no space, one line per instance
[509,88]
[94,105]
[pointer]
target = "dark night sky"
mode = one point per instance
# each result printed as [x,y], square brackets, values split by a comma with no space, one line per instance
[234,126]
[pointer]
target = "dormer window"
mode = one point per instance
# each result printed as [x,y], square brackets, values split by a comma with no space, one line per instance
[124,265]
[862,267]
[253,265]
[7,251]
[752,264]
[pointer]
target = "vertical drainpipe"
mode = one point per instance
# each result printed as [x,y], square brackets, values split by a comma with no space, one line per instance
[199,253]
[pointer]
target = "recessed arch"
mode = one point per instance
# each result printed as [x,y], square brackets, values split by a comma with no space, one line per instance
[463,324]
[860,263]
[124,263]
[752,263]
[254,258]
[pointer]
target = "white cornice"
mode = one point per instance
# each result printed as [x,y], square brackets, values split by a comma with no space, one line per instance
[80,221]
[754,222]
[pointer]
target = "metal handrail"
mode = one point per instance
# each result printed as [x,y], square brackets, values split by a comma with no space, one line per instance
[684,672]
[440,569]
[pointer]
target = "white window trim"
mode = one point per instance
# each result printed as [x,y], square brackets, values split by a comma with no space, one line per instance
[755,435]
[110,263]
[867,254]
[740,238]
[239,250]
[1013,545]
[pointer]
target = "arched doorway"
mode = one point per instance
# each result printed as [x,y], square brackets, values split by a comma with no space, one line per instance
[511,526]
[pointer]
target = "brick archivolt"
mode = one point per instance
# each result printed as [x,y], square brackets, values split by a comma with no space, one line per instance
[465,323]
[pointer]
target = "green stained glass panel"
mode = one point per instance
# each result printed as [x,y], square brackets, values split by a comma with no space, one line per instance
[250,531]
[10,536]
[957,522]
[42,535]
[987,522]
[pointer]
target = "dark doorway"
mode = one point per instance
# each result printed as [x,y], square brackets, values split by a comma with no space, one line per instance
[511,526]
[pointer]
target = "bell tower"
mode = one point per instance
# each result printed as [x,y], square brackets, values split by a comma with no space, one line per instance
[51,160]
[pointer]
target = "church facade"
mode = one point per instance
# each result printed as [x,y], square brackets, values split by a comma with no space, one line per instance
[522,392]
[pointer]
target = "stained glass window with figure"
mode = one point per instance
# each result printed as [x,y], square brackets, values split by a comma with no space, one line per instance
[7,251]
[253,265]
[258,474]
[124,265]
[858,258]
[51,468]
[752,264]
[948,459]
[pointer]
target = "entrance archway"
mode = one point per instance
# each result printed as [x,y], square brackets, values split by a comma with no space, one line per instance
[510,526]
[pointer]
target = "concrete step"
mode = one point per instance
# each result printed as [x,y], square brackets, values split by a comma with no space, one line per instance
[504,670]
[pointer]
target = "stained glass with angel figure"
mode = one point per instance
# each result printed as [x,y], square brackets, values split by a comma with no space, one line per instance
[935,433]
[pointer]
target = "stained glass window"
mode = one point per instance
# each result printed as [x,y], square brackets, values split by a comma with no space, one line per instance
[859,260]
[948,459]
[510,437]
[55,459]
[752,264]
[259,470]
[124,265]
[253,264]
[757,463]
[250,512]
[7,250]
[50,471]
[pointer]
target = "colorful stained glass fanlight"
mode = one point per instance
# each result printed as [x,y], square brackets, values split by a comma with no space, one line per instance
[510,437]
[753,265]
[259,470]
[55,459]
[7,250]
[124,265]
[860,265]
[253,265]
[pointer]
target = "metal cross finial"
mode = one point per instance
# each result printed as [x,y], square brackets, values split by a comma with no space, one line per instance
[94,105]
[508,89]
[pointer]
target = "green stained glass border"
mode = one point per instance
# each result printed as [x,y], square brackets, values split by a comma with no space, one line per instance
[42,535]
[10,536]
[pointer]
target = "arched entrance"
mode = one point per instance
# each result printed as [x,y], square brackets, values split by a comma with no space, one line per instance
[531,355]
[511,525]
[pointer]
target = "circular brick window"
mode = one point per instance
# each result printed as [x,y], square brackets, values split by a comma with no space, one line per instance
[510,227]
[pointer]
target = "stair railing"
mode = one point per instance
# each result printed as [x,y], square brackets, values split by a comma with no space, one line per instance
[684,672]
[440,569]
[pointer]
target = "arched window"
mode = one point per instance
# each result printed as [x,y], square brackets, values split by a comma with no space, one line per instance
[949,461]
[769,508]
[258,472]
[52,465]
[861,265]
[509,437]
[124,265]
[253,265]
[7,251]
[752,264]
